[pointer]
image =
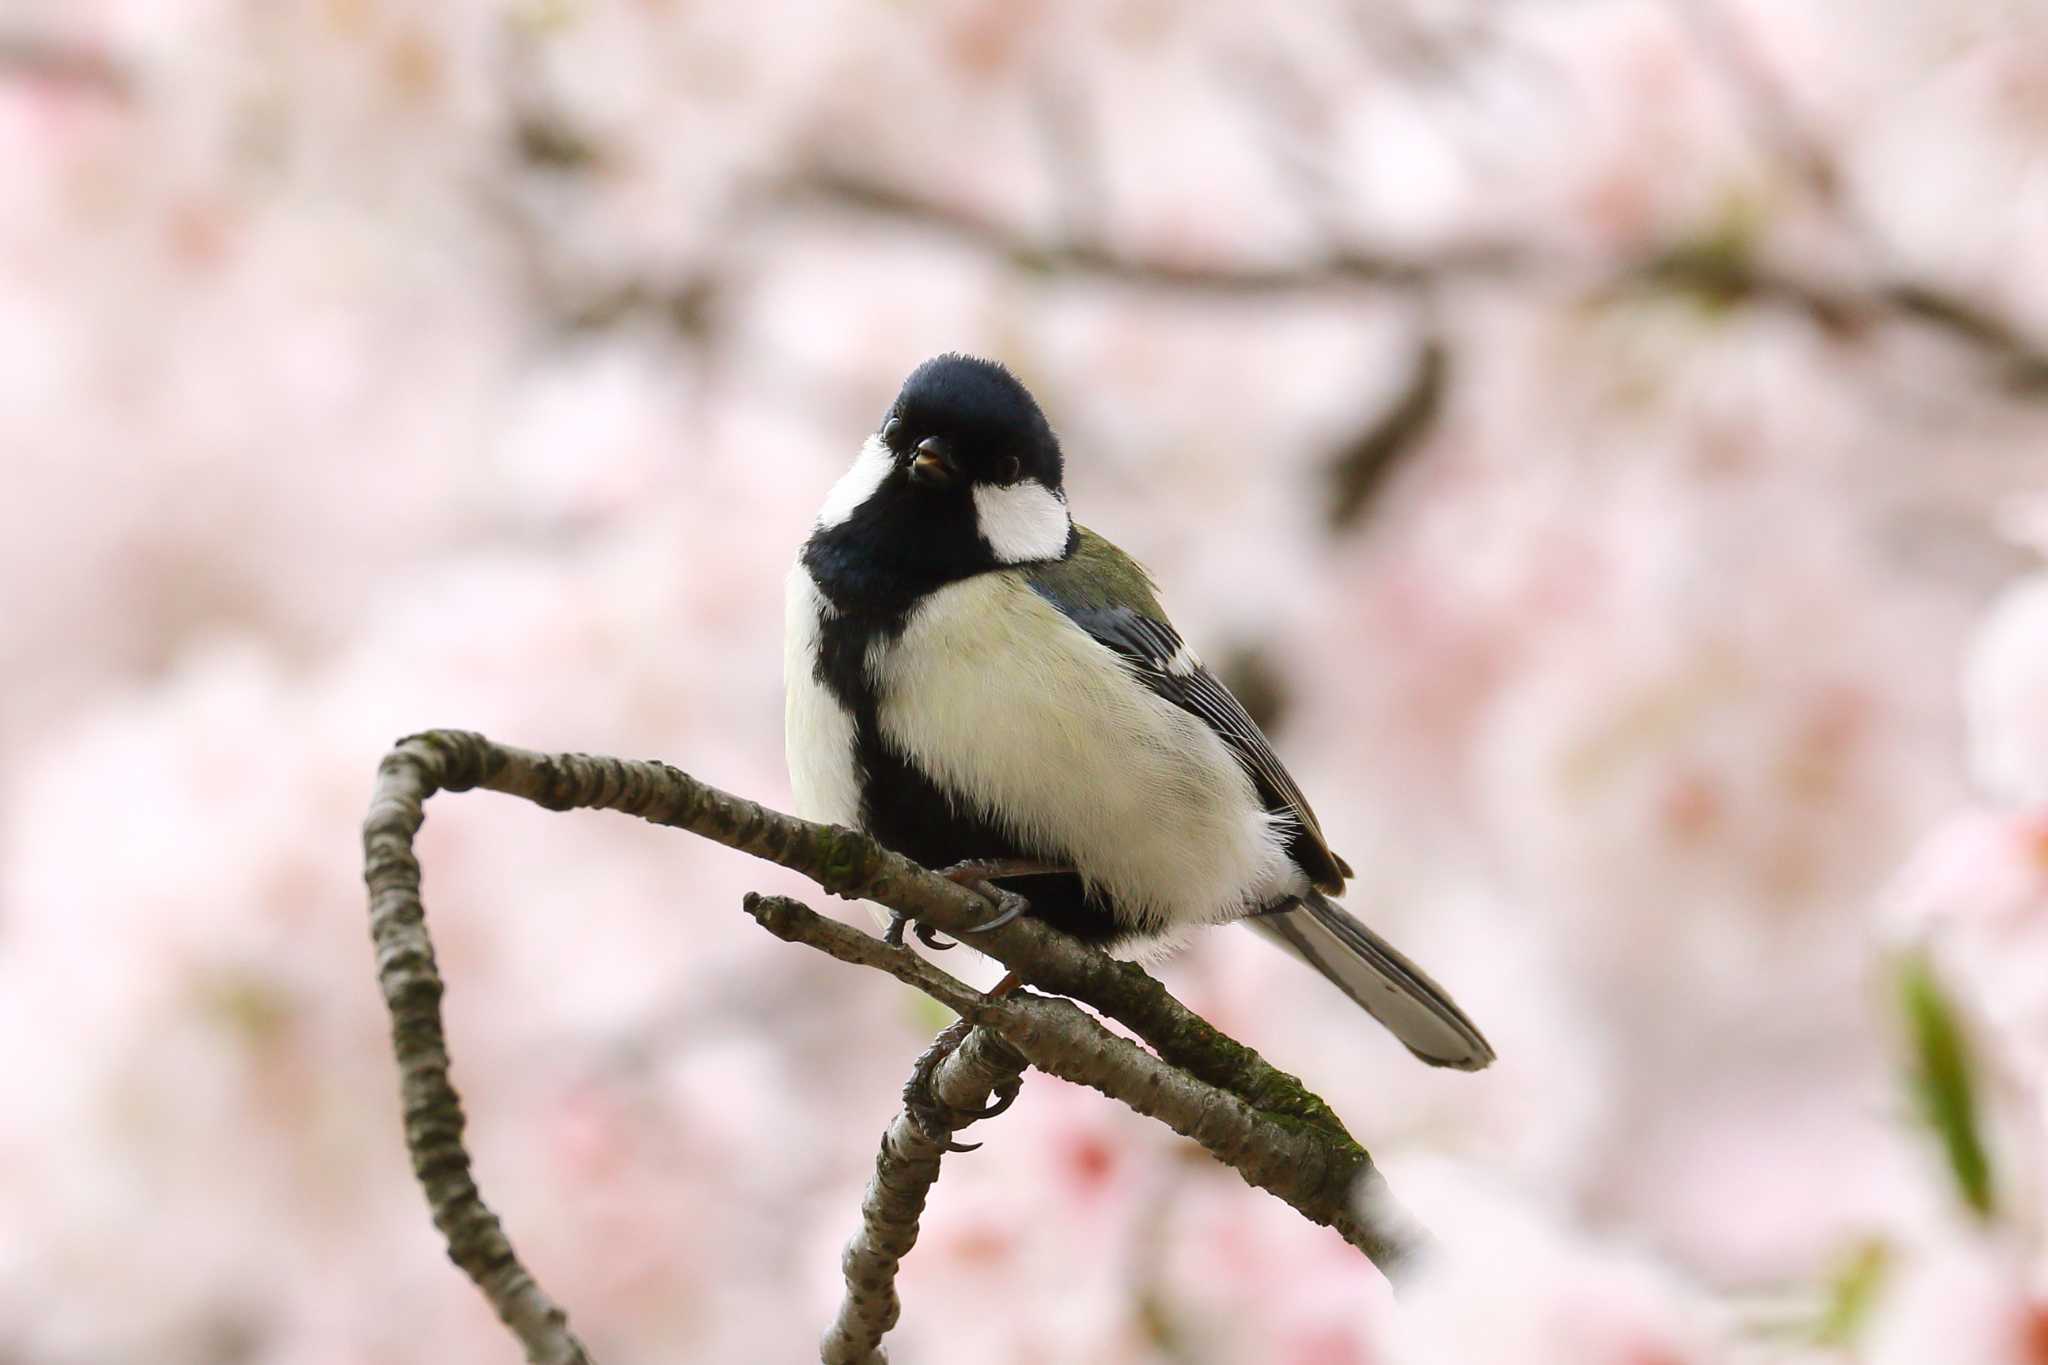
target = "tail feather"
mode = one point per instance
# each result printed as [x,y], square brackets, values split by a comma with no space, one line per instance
[1380,979]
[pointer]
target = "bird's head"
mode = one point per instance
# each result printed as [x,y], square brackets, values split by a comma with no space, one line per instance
[963,462]
[961,422]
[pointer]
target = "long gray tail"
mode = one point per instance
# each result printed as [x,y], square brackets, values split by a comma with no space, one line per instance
[1384,983]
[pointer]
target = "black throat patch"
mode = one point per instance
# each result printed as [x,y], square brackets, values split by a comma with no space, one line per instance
[869,598]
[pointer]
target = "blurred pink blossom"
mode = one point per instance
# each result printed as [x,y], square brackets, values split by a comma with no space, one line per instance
[365,368]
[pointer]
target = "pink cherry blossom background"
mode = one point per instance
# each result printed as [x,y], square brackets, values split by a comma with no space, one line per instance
[368,367]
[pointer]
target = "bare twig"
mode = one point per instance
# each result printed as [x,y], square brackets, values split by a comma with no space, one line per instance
[848,863]
[411,983]
[1295,1161]
[1204,1085]
[972,1064]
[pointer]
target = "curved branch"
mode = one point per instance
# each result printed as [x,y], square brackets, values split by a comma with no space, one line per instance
[411,983]
[848,863]
[1257,1119]
[971,1065]
[1294,1161]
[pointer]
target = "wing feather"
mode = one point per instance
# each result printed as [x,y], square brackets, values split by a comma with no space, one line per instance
[1156,655]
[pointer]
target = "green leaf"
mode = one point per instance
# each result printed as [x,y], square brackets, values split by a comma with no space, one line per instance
[1943,1081]
[1852,1292]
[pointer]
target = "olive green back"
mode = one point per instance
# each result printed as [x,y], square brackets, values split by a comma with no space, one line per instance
[1098,575]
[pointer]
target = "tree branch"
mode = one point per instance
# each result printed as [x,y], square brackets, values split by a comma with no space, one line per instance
[2017,362]
[1257,1119]
[1295,1161]
[966,1066]
[411,982]
[1337,267]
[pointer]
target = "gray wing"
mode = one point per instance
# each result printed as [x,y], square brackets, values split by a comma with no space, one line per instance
[1159,658]
[1104,593]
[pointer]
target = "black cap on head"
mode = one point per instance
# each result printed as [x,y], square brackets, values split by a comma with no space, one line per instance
[985,420]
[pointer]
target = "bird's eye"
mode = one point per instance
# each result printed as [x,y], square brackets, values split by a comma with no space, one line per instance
[1007,468]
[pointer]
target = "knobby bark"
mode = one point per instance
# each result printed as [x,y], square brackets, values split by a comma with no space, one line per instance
[1260,1121]
[971,1064]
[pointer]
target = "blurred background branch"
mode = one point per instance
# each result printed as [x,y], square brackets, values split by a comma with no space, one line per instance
[26,55]
[1334,270]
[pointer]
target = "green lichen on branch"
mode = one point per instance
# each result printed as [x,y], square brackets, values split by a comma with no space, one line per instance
[1190,1042]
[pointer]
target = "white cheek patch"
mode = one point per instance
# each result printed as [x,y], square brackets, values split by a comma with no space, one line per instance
[1023,522]
[857,484]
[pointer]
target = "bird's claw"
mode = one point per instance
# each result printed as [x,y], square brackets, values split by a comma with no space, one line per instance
[974,875]
[1009,905]
[928,936]
[936,1119]
[977,876]
[1005,1095]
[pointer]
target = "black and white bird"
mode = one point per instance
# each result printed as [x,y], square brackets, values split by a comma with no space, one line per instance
[972,676]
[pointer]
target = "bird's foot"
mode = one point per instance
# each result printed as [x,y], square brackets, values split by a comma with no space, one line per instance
[977,874]
[936,1119]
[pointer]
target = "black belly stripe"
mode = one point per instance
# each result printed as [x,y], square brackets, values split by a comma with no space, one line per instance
[900,805]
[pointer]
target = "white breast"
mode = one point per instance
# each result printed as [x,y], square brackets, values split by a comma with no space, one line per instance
[995,694]
[817,731]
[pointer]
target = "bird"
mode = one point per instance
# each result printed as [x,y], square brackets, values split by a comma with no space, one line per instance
[973,678]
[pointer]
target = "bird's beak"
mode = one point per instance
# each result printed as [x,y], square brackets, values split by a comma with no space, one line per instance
[933,465]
